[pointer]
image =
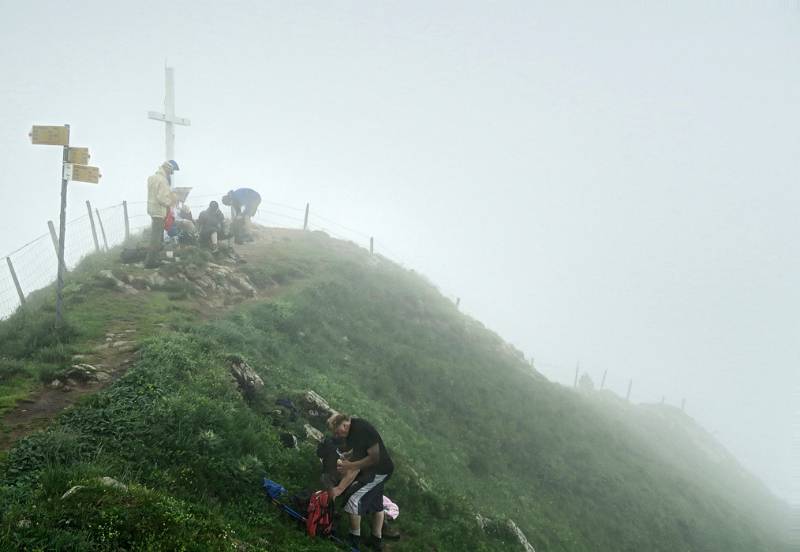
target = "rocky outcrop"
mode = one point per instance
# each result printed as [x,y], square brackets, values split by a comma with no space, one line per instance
[80,374]
[104,481]
[107,279]
[315,409]
[508,527]
[111,482]
[246,378]
[313,433]
[520,536]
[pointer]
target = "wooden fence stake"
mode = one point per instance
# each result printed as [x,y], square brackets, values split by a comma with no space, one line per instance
[371,245]
[16,281]
[305,220]
[53,236]
[94,230]
[127,221]
[628,396]
[52,228]
[102,230]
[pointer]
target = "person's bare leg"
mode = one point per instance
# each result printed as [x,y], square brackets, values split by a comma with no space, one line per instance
[355,524]
[377,525]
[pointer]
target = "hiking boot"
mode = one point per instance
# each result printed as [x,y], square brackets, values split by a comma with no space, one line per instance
[375,543]
[354,541]
[390,531]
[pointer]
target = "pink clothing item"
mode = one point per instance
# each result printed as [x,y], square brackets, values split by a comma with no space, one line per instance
[390,508]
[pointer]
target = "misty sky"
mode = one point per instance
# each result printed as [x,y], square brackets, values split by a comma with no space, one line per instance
[615,186]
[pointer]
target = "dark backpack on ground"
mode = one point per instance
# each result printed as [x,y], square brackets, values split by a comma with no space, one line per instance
[319,520]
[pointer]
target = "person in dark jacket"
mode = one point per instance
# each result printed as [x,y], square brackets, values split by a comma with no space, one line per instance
[210,225]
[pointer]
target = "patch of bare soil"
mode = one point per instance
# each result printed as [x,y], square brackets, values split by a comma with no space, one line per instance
[90,373]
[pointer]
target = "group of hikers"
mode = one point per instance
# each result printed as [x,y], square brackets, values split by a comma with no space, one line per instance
[355,462]
[171,216]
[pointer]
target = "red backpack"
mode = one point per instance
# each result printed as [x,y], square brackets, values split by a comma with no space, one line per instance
[319,520]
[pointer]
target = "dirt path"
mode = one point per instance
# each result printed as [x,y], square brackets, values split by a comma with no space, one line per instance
[109,360]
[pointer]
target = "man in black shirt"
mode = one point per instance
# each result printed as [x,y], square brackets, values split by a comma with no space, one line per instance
[367,468]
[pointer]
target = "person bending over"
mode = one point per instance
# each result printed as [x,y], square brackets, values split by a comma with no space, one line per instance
[367,468]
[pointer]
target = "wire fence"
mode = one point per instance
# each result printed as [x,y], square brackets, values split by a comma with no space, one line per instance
[35,265]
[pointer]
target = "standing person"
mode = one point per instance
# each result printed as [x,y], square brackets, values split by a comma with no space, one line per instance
[370,466]
[244,203]
[159,199]
[210,225]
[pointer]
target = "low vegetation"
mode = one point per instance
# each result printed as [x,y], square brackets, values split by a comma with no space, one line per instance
[472,428]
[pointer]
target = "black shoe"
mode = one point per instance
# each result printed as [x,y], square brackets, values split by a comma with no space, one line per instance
[390,531]
[354,541]
[375,543]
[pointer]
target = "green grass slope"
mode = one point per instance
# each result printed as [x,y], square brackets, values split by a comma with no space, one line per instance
[472,429]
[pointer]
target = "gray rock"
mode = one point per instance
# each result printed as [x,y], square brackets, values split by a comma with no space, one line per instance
[482,521]
[520,536]
[80,372]
[315,406]
[246,378]
[56,384]
[313,433]
[72,491]
[103,377]
[107,278]
[111,482]
[24,524]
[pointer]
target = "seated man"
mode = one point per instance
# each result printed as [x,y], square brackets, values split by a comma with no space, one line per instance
[211,223]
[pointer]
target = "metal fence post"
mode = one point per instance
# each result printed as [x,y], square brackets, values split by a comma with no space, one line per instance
[94,230]
[305,220]
[371,245]
[102,230]
[16,281]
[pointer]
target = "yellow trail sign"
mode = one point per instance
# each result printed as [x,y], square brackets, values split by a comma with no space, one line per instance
[79,156]
[84,173]
[50,135]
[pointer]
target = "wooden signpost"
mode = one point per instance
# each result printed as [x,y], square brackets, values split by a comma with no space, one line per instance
[73,167]
[79,156]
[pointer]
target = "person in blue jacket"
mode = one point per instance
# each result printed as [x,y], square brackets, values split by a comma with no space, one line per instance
[244,202]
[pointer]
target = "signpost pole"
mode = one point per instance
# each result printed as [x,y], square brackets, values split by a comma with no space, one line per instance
[62,226]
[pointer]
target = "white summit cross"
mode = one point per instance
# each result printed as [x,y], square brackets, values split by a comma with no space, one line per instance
[168,117]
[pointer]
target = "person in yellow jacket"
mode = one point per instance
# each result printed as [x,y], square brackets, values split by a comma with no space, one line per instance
[159,199]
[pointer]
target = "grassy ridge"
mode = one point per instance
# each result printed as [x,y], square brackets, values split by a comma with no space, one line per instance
[471,427]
